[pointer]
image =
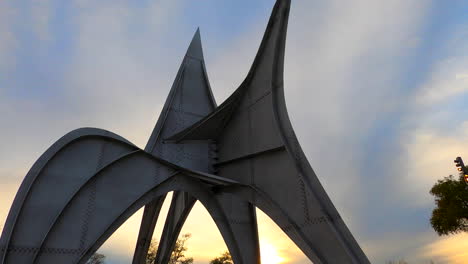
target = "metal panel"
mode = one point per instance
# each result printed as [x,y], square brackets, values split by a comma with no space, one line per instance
[50,183]
[189,100]
[232,158]
[258,121]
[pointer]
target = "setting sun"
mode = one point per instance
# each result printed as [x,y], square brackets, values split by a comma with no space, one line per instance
[269,254]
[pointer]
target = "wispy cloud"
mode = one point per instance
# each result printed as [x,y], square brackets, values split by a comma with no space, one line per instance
[430,155]
[451,249]
[7,38]
[346,67]
[449,75]
[396,246]
[117,61]
[372,105]
[41,13]
[434,130]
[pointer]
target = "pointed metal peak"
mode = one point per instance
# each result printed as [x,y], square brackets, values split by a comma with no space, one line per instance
[195,49]
[287,2]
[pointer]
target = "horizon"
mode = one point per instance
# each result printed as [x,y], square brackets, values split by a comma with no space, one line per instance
[384,83]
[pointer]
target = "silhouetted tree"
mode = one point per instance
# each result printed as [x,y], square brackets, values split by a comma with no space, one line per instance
[451,213]
[178,254]
[153,249]
[96,259]
[225,258]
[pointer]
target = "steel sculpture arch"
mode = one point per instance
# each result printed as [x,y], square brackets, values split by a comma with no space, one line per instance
[203,194]
[93,137]
[232,158]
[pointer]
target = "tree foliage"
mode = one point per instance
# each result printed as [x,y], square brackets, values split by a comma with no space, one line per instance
[153,249]
[225,258]
[178,254]
[96,259]
[451,213]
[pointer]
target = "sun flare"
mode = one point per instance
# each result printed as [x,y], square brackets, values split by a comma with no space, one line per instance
[269,254]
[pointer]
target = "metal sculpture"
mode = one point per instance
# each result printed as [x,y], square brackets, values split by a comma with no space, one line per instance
[232,158]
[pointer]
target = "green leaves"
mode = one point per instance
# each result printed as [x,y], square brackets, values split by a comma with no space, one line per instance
[225,258]
[451,213]
[178,254]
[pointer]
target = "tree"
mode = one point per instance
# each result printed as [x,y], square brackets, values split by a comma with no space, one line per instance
[451,213]
[153,249]
[96,258]
[225,258]
[178,254]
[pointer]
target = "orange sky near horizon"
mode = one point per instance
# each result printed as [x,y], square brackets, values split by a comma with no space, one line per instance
[206,241]
[376,92]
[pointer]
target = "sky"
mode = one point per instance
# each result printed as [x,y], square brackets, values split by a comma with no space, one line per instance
[375,90]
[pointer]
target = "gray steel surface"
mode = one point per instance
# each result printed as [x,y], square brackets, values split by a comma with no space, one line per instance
[232,158]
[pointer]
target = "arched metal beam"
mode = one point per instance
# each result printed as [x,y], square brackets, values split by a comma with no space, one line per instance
[258,147]
[119,171]
[74,194]
[56,151]
[186,184]
[148,223]
[255,196]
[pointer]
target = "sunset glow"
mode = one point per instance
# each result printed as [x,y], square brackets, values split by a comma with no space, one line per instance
[374,90]
[269,254]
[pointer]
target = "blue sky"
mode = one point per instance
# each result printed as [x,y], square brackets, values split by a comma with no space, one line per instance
[376,91]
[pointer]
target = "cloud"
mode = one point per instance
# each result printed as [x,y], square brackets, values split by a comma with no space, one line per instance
[345,66]
[117,62]
[449,78]
[7,38]
[41,13]
[451,249]
[333,49]
[431,156]
[102,83]
[419,248]
[449,75]
[397,245]
[434,130]
[376,140]
[342,70]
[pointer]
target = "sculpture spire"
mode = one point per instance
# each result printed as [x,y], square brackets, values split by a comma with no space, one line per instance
[267,65]
[242,155]
[195,49]
[197,90]
[189,100]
